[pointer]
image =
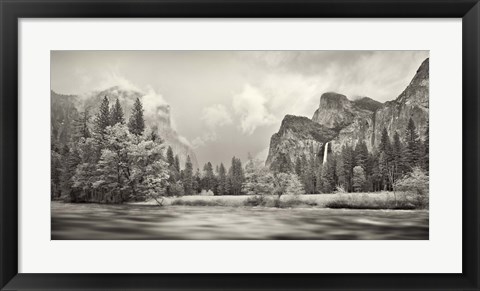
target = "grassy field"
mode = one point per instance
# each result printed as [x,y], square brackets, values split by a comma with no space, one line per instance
[306,200]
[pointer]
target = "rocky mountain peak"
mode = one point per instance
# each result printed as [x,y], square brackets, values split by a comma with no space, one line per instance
[341,121]
[416,92]
[156,113]
[297,136]
[335,111]
[332,100]
[367,103]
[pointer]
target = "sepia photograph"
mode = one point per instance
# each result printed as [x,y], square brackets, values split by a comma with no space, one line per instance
[239,145]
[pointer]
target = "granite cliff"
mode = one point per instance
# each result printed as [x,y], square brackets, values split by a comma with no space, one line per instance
[340,121]
[65,109]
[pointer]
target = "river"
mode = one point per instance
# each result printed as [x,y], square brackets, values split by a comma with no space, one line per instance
[145,222]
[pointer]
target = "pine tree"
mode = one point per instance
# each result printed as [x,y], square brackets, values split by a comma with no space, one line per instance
[116,114]
[426,153]
[177,163]
[397,150]
[68,171]
[188,177]
[412,148]
[358,178]
[282,164]
[340,171]
[328,178]
[136,123]
[386,164]
[102,119]
[81,128]
[154,136]
[376,173]
[385,144]
[197,181]
[208,182]
[170,157]
[298,167]
[361,154]
[348,158]
[309,178]
[173,173]
[222,180]
[55,172]
[236,176]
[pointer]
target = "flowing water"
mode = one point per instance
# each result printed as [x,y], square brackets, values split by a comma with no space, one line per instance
[131,222]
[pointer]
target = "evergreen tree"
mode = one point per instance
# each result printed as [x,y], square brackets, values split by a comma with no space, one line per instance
[412,147]
[173,174]
[81,128]
[361,154]
[236,176]
[309,177]
[116,114]
[376,173]
[340,170]
[298,167]
[154,136]
[208,182]
[177,163]
[102,119]
[222,180]
[397,150]
[348,158]
[426,147]
[328,175]
[358,178]
[197,181]
[170,157]
[386,164]
[68,171]
[282,164]
[188,177]
[136,123]
[55,173]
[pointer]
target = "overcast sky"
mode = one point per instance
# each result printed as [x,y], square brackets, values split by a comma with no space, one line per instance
[228,103]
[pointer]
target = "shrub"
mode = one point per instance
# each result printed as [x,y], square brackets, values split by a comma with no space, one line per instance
[257,200]
[362,201]
[176,189]
[415,186]
[180,202]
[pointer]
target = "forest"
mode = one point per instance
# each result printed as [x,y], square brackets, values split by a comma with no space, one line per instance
[109,159]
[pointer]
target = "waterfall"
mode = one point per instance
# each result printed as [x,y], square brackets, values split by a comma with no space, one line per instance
[325,153]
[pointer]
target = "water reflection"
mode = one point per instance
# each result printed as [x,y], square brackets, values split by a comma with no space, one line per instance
[137,222]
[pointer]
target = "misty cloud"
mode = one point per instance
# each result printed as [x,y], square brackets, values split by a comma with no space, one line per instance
[216,115]
[250,105]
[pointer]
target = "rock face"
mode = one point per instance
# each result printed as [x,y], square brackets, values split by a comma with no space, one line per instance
[413,102]
[298,135]
[345,122]
[157,116]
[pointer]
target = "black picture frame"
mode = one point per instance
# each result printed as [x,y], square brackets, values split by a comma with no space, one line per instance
[12,10]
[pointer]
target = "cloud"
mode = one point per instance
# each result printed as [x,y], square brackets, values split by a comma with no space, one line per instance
[250,105]
[204,139]
[154,103]
[215,116]
[292,93]
[184,140]
[113,78]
